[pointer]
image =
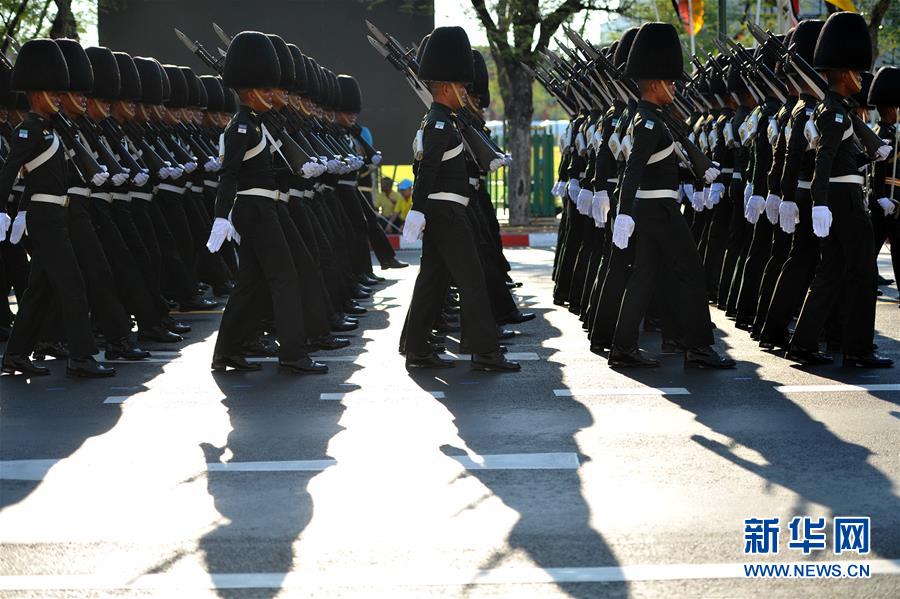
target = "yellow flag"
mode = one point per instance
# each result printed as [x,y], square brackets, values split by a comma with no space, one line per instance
[846,5]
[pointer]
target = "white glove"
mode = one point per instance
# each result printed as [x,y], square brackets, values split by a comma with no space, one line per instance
[748,191]
[4,225]
[716,191]
[211,165]
[190,167]
[585,196]
[118,179]
[574,189]
[623,227]
[413,226]
[176,171]
[688,189]
[600,208]
[18,228]
[376,159]
[164,173]
[697,201]
[100,178]
[882,153]
[707,198]
[756,205]
[886,205]
[788,216]
[141,179]
[222,229]
[334,166]
[311,169]
[772,204]
[558,189]
[711,174]
[821,217]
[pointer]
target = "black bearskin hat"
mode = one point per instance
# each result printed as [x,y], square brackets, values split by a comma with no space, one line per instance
[351,96]
[230,105]
[40,66]
[621,55]
[178,87]
[804,40]
[655,53]
[193,87]
[447,57]
[285,61]
[215,95]
[844,43]
[131,80]
[885,89]
[480,87]
[151,79]
[299,69]
[251,62]
[107,80]
[81,75]
[862,96]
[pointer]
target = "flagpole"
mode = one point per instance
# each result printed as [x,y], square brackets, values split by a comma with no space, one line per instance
[691,25]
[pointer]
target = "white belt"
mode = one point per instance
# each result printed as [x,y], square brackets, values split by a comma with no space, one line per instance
[122,197]
[309,193]
[283,196]
[726,171]
[349,182]
[79,191]
[141,195]
[102,195]
[50,199]
[295,193]
[172,188]
[19,188]
[613,180]
[328,187]
[210,183]
[195,188]
[648,194]
[736,175]
[453,153]
[804,184]
[656,157]
[450,197]
[259,191]
[858,179]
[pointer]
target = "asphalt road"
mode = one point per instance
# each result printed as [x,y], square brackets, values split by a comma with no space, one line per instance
[566,480]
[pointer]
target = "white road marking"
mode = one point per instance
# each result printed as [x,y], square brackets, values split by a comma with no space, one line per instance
[418,575]
[515,356]
[836,388]
[612,391]
[36,470]
[116,399]
[362,394]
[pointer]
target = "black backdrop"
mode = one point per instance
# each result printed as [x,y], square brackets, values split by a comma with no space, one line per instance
[331,31]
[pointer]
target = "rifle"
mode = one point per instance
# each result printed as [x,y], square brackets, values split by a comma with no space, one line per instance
[373,156]
[104,153]
[870,140]
[287,147]
[481,148]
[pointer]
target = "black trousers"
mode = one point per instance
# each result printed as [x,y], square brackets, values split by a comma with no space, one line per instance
[265,267]
[172,207]
[102,295]
[796,273]
[716,244]
[845,274]
[313,297]
[377,238]
[754,266]
[565,270]
[54,274]
[135,286]
[177,280]
[591,240]
[319,248]
[887,228]
[603,326]
[781,246]
[561,234]
[739,233]
[359,228]
[502,302]
[664,240]
[449,245]
[14,276]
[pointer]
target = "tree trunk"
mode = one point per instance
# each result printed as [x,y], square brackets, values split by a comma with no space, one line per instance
[518,104]
[64,24]
[878,11]
[12,28]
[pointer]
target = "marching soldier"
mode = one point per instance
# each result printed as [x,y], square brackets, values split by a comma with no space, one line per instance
[846,271]
[440,198]
[885,204]
[246,195]
[41,72]
[649,192]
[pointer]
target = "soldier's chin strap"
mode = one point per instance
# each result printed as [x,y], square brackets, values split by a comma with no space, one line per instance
[668,93]
[51,105]
[259,97]
[458,96]
[857,79]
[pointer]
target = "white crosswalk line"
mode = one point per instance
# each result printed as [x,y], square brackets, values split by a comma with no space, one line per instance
[613,391]
[196,580]
[836,388]
[362,394]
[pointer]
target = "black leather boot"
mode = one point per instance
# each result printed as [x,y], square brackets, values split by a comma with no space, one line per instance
[431,360]
[88,368]
[13,363]
[620,357]
[223,363]
[494,362]
[808,357]
[393,263]
[706,357]
[122,349]
[304,365]
[870,360]
[160,334]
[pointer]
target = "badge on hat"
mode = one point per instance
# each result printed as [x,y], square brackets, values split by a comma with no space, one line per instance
[242,128]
